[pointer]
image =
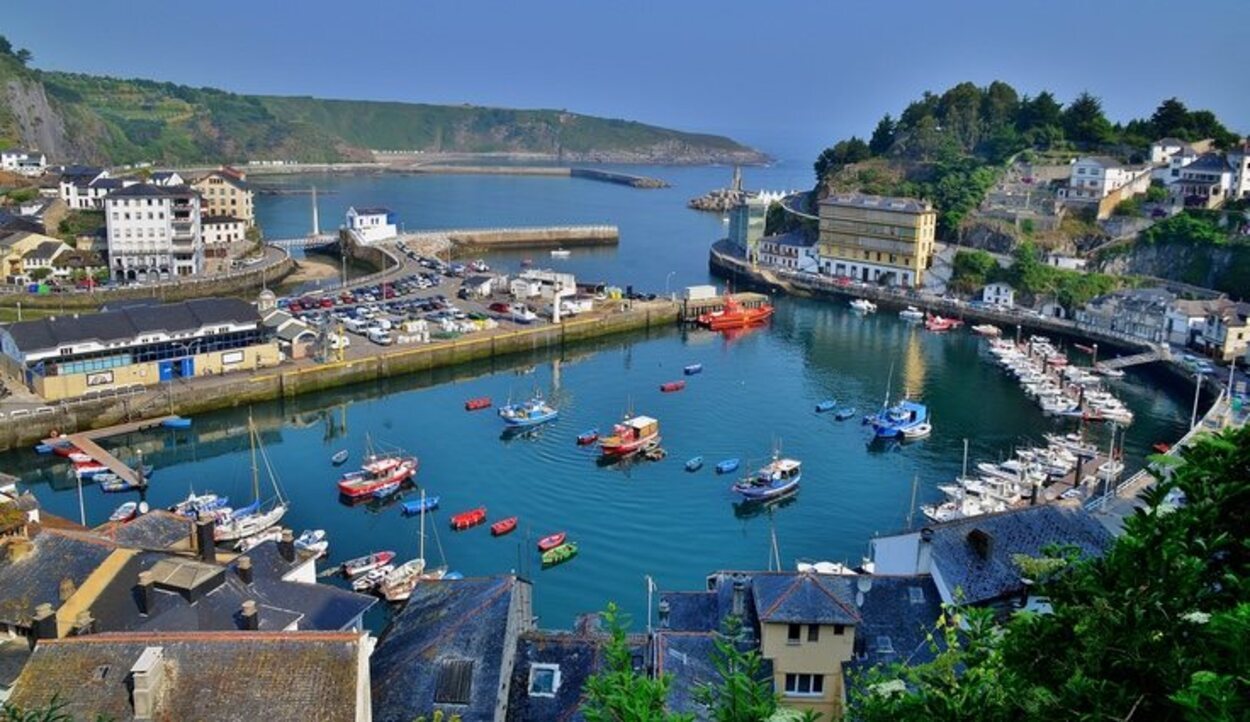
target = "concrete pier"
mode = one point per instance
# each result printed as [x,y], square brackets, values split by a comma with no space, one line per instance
[85,441]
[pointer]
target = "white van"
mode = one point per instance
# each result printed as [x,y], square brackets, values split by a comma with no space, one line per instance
[380,336]
[356,325]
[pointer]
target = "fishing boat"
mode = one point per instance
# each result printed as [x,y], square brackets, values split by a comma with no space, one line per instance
[826,405]
[694,464]
[863,305]
[560,554]
[377,472]
[503,526]
[113,484]
[481,402]
[425,503]
[257,516]
[361,565]
[530,413]
[917,431]
[560,253]
[246,545]
[125,512]
[735,315]
[776,479]
[727,466]
[987,329]
[313,540]
[176,422]
[194,504]
[398,584]
[844,413]
[671,386]
[86,470]
[586,438]
[370,580]
[894,421]
[692,369]
[630,435]
[466,519]
[551,541]
[339,457]
[911,313]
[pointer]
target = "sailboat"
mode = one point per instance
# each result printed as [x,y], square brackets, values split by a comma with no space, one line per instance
[397,586]
[255,517]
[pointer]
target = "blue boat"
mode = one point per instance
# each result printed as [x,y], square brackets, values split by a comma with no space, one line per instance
[694,464]
[43,449]
[693,369]
[530,413]
[892,422]
[779,478]
[845,413]
[176,422]
[726,466]
[387,489]
[416,506]
[826,405]
[452,576]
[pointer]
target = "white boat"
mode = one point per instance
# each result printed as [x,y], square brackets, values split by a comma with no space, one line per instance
[838,568]
[367,582]
[249,543]
[919,431]
[313,540]
[1110,470]
[560,253]
[987,329]
[397,586]
[911,313]
[254,518]
[1110,373]
[863,305]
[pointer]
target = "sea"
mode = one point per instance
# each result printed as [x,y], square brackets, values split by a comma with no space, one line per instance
[639,520]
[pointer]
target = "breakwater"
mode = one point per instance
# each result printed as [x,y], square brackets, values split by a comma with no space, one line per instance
[485,239]
[211,393]
[625,179]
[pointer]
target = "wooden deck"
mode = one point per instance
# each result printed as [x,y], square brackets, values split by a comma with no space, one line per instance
[86,441]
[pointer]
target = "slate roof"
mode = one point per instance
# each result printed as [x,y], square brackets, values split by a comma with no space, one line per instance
[1171,142]
[161,175]
[45,251]
[13,655]
[797,240]
[578,654]
[148,190]
[444,622]
[158,529]
[125,324]
[1210,162]
[277,677]
[993,574]
[371,211]
[35,578]
[227,176]
[889,203]
[805,598]
[897,614]
[1104,161]
[478,280]
[75,173]
[14,223]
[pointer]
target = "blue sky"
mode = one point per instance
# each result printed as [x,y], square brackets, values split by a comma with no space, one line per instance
[788,77]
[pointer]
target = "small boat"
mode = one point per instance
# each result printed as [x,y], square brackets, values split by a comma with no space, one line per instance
[313,540]
[631,435]
[735,315]
[43,449]
[111,483]
[361,565]
[466,519]
[672,386]
[893,421]
[826,405]
[844,413]
[527,261]
[987,329]
[727,466]
[530,413]
[481,402]
[779,478]
[559,554]
[911,313]
[503,526]
[428,503]
[375,473]
[586,438]
[693,369]
[1111,373]
[387,489]
[249,543]
[370,581]
[339,457]
[863,305]
[125,512]
[1161,446]
[694,464]
[80,458]
[65,448]
[654,452]
[939,324]
[560,253]
[176,422]
[194,505]
[918,431]
[551,541]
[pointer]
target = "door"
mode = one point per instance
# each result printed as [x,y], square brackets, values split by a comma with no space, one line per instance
[186,367]
[166,370]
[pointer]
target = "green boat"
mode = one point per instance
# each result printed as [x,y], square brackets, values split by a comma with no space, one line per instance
[560,554]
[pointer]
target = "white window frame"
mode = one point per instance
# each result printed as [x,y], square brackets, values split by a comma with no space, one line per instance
[555,681]
[797,678]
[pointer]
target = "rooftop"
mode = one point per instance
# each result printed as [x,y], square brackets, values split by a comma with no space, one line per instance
[790,239]
[46,569]
[45,251]
[888,203]
[157,529]
[369,210]
[1209,162]
[805,598]
[897,614]
[574,656]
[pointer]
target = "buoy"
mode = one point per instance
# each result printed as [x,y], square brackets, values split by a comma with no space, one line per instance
[53,434]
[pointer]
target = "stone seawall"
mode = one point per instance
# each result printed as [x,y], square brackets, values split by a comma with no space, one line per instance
[537,238]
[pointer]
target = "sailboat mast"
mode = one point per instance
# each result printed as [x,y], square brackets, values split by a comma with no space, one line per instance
[911,509]
[965,474]
[251,436]
[422,542]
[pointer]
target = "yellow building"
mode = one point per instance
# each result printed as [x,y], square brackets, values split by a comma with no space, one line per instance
[874,239]
[16,263]
[225,192]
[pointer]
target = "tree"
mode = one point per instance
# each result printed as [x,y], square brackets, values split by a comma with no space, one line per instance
[882,136]
[1084,122]
[24,56]
[39,274]
[1040,112]
[960,112]
[618,693]
[1171,118]
[745,692]
[845,152]
[1000,105]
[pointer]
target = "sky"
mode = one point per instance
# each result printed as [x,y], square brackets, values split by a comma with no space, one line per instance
[787,77]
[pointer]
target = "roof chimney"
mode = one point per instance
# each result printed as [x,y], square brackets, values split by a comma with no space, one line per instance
[147,593]
[43,626]
[664,610]
[982,543]
[924,551]
[739,596]
[147,676]
[251,617]
[286,545]
[244,568]
[83,624]
[205,541]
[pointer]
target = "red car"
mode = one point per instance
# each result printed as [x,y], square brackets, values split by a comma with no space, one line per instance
[295,307]
[499,307]
[389,293]
[327,303]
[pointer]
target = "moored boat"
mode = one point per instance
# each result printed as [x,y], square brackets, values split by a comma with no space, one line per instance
[339,457]
[111,483]
[735,315]
[560,554]
[560,253]
[630,435]
[587,438]
[911,313]
[255,517]
[726,466]
[370,580]
[65,448]
[481,402]
[693,369]
[375,473]
[176,422]
[195,504]
[530,413]
[694,464]
[863,305]
[466,519]
[826,405]
[425,503]
[987,329]
[387,489]
[503,526]
[361,565]
[892,422]
[844,413]
[125,512]
[247,544]
[671,386]
[551,541]
[776,479]
[917,431]
[938,324]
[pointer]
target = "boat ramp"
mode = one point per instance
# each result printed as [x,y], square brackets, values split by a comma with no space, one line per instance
[86,442]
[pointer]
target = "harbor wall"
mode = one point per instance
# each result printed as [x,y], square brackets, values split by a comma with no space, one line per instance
[537,238]
[187,398]
[603,176]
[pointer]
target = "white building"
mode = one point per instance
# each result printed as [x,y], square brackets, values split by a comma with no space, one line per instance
[999,294]
[548,283]
[792,251]
[1095,177]
[1207,182]
[23,162]
[1186,319]
[372,225]
[1239,160]
[221,230]
[153,232]
[166,178]
[83,188]
[1163,150]
[1068,263]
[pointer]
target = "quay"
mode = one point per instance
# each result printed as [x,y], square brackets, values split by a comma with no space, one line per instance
[86,442]
[692,308]
[625,179]
[520,238]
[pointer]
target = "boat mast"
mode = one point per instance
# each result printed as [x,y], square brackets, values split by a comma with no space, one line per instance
[911,508]
[965,473]
[251,437]
[422,542]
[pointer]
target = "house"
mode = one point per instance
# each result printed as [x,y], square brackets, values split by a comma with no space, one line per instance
[296,339]
[83,188]
[972,561]
[792,251]
[166,178]
[1186,319]
[39,261]
[221,230]
[1140,313]
[1226,331]
[478,286]
[1049,307]
[1095,177]
[372,225]
[23,162]
[1239,160]
[14,249]
[1204,183]
[875,239]
[1163,150]
[225,192]
[999,294]
[451,648]
[1068,263]
[275,676]
[73,262]
[154,233]
[548,283]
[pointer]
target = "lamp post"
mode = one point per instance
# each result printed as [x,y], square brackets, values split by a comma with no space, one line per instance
[666,280]
[1193,418]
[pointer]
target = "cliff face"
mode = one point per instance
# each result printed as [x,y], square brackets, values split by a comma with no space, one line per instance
[1221,267]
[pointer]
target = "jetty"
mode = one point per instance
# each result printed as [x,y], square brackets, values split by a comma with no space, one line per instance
[86,442]
[1137,359]
[692,308]
[625,179]
[506,238]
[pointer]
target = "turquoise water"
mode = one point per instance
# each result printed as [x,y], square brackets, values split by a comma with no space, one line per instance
[757,391]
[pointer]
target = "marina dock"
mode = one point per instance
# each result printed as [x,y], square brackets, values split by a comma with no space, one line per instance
[86,442]
[1084,478]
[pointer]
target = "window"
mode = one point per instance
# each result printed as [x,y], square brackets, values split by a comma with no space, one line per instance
[544,680]
[812,685]
[792,635]
[885,645]
[916,595]
[839,629]
[813,632]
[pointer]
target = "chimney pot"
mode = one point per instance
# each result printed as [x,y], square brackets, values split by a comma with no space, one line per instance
[147,592]
[43,625]
[146,677]
[286,546]
[251,618]
[206,543]
[83,623]
[244,568]
[739,596]
[664,611]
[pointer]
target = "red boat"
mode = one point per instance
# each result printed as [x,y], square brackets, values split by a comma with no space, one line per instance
[481,402]
[1161,446]
[466,519]
[552,541]
[630,435]
[65,449]
[587,438]
[672,386]
[503,526]
[735,315]
[939,324]
[377,472]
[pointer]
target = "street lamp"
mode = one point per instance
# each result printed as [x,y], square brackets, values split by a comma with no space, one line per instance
[1193,418]
[666,280]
